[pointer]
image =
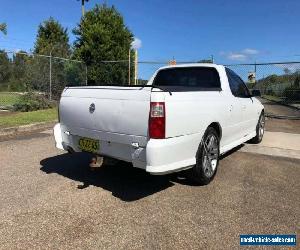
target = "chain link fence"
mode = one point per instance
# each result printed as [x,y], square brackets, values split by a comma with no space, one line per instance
[22,72]
[48,75]
[278,82]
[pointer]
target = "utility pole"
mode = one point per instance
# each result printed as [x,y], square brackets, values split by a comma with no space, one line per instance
[82,7]
[136,67]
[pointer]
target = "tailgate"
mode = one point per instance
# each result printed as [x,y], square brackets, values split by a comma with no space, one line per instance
[108,112]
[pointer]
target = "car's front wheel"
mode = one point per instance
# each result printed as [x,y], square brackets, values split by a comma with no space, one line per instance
[207,158]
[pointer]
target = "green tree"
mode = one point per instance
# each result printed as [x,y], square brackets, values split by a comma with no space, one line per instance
[18,70]
[103,36]
[5,69]
[52,39]
[75,74]
[297,82]
[3,28]
[205,61]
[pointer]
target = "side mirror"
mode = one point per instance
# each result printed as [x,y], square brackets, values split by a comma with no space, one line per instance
[255,92]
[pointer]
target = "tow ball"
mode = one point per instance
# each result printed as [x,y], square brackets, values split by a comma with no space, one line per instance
[96,162]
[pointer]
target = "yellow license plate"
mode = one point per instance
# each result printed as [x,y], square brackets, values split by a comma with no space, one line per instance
[88,145]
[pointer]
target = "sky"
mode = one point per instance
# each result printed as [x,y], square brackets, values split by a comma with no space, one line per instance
[233,31]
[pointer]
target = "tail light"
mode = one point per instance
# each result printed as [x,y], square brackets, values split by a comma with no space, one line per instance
[157,120]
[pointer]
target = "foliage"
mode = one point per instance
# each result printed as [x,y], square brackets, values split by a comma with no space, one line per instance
[74,73]
[52,38]
[17,119]
[285,86]
[18,72]
[278,83]
[205,61]
[3,28]
[7,99]
[251,85]
[23,72]
[4,67]
[103,36]
[292,94]
[142,81]
[297,82]
[31,102]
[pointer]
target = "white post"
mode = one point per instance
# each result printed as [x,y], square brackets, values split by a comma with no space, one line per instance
[136,68]
[82,7]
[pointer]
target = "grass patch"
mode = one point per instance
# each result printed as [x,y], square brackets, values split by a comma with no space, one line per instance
[8,99]
[28,117]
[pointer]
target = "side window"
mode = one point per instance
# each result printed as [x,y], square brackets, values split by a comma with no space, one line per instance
[236,84]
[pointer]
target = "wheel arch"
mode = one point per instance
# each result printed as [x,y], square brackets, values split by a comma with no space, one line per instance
[217,127]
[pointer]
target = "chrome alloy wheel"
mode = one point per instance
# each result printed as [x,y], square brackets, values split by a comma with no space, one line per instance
[210,155]
[261,126]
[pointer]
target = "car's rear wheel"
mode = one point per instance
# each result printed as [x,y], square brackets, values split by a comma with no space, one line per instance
[207,158]
[260,129]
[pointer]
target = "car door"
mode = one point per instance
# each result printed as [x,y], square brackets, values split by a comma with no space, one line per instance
[233,103]
[243,104]
[249,109]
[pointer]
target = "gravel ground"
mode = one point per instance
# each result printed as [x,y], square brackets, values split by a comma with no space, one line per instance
[282,125]
[277,109]
[51,200]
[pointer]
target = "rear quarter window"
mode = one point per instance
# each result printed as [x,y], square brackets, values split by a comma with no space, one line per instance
[197,77]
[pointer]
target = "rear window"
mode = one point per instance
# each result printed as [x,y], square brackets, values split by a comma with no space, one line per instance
[200,77]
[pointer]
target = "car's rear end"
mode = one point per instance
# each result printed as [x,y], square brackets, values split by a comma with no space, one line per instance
[157,127]
[111,121]
[126,123]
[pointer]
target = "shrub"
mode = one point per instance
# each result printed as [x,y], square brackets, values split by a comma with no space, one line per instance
[292,94]
[31,102]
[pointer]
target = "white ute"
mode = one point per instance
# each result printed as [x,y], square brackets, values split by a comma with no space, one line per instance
[185,117]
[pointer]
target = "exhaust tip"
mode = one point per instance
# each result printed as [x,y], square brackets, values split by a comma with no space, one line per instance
[70,150]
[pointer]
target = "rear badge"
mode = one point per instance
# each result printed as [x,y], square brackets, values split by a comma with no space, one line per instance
[92,108]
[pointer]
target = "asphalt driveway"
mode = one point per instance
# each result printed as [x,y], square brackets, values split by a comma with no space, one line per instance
[52,200]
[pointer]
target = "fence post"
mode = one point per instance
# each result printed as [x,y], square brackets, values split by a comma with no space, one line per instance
[50,77]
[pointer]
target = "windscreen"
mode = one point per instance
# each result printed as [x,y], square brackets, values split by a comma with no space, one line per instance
[202,77]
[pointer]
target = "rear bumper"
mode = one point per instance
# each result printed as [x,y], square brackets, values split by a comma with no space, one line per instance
[171,155]
[158,156]
[118,146]
[57,132]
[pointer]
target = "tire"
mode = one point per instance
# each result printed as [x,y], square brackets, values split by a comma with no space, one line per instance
[260,129]
[207,158]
